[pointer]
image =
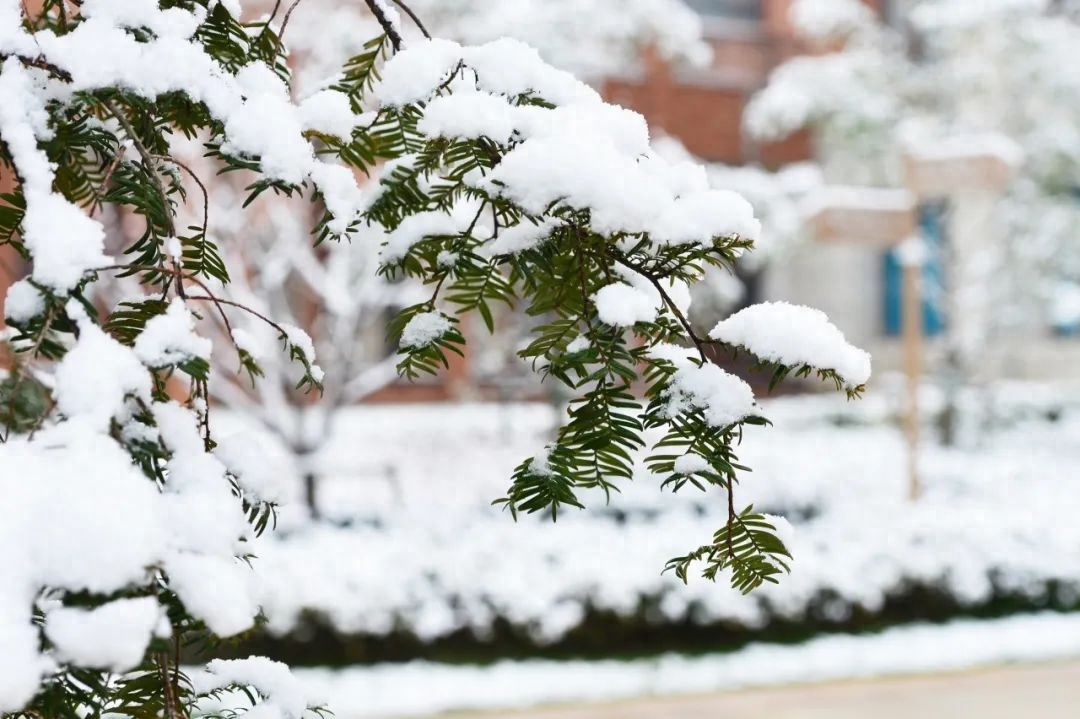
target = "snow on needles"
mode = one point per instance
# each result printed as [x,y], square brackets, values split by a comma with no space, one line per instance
[583,153]
[724,398]
[794,335]
[425,328]
[253,105]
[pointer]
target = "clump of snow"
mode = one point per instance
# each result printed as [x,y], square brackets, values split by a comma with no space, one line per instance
[470,114]
[413,74]
[301,340]
[98,374]
[329,113]
[170,338]
[624,305]
[79,477]
[433,223]
[283,697]
[794,335]
[425,328]
[706,214]
[724,398]
[113,636]
[23,302]
[249,342]
[219,590]
[691,463]
[579,343]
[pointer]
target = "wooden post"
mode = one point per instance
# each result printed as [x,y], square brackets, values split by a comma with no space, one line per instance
[913,349]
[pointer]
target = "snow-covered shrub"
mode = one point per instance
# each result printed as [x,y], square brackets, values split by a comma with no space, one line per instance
[450,575]
[125,532]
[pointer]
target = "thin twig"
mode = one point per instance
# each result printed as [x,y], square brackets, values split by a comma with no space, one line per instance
[413,17]
[285,21]
[245,308]
[202,187]
[152,166]
[388,27]
[100,192]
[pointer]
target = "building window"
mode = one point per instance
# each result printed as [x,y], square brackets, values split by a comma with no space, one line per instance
[932,227]
[733,9]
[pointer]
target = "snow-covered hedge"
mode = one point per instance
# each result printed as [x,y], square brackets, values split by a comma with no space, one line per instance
[980,533]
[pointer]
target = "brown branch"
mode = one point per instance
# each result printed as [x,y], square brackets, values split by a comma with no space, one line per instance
[285,20]
[387,26]
[245,308]
[42,64]
[202,187]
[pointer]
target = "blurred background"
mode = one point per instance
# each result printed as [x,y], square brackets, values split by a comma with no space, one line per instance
[916,165]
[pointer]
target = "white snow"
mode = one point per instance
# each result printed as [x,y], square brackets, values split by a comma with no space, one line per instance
[328,112]
[856,537]
[421,225]
[424,328]
[75,549]
[23,302]
[113,636]
[624,305]
[794,335]
[723,397]
[283,696]
[423,688]
[170,338]
[96,376]
[691,464]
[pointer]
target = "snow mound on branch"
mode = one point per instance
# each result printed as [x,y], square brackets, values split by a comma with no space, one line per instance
[79,548]
[170,338]
[583,153]
[521,237]
[724,398]
[283,697]
[113,636]
[23,302]
[623,305]
[425,328]
[794,335]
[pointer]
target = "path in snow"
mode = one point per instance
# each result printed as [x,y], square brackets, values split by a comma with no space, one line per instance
[419,689]
[1048,691]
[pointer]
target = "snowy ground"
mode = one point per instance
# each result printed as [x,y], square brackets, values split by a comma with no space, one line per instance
[420,688]
[423,548]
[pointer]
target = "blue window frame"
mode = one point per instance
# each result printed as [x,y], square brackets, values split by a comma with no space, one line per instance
[932,219]
[734,9]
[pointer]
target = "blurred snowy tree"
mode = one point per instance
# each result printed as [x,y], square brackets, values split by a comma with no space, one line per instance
[943,69]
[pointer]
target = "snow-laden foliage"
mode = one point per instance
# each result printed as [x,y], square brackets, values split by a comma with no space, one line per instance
[950,69]
[593,39]
[128,531]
